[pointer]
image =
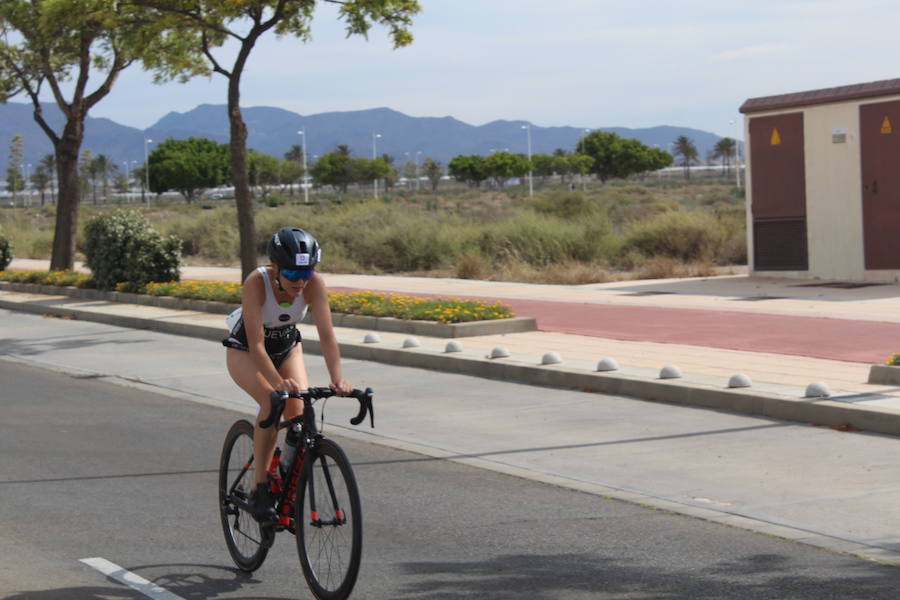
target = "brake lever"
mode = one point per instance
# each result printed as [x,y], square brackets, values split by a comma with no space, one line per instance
[276,400]
[365,406]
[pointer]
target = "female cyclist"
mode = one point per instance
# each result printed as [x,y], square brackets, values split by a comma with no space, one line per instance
[263,348]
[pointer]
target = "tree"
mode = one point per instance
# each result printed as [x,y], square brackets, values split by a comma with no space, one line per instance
[410,171]
[40,180]
[188,166]
[102,168]
[685,148]
[86,176]
[243,23]
[469,169]
[579,164]
[433,171]
[295,156]
[391,177]
[265,171]
[503,165]
[617,157]
[48,165]
[291,173]
[51,43]
[544,165]
[375,169]
[725,149]
[333,168]
[14,181]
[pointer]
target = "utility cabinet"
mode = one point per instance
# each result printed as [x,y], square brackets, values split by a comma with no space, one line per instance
[823,183]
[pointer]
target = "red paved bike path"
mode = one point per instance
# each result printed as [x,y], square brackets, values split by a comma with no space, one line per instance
[844,340]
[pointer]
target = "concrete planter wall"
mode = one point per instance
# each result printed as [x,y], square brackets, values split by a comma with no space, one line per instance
[884,374]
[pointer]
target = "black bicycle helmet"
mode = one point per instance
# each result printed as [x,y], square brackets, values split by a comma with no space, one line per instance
[293,248]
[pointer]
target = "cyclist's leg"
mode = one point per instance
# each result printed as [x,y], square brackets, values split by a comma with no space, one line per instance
[293,367]
[245,374]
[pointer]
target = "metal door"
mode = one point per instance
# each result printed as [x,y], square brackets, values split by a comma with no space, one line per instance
[880,155]
[778,205]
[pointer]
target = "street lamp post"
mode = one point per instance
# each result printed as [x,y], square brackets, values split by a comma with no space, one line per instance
[305,177]
[144,196]
[527,129]
[375,136]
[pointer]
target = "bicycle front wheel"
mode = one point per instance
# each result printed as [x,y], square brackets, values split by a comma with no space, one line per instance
[247,541]
[328,519]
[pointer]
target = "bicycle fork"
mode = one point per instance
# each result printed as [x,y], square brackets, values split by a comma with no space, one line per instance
[315,521]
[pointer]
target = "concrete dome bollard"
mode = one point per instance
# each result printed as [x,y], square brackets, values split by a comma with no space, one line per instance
[608,364]
[371,338]
[551,358]
[817,389]
[453,346]
[411,342]
[670,372]
[739,380]
[499,352]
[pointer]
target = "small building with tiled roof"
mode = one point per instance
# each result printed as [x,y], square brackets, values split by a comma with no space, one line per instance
[823,183]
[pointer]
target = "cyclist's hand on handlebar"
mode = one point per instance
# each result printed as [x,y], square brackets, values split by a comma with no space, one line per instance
[342,387]
[289,385]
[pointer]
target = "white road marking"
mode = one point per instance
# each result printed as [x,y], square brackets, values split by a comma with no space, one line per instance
[135,582]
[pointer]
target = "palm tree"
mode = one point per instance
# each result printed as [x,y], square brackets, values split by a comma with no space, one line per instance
[725,149]
[685,148]
[103,168]
[48,166]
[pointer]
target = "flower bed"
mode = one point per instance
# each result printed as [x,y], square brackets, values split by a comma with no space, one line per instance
[375,304]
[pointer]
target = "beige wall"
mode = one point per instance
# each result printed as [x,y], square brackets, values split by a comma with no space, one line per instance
[834,219]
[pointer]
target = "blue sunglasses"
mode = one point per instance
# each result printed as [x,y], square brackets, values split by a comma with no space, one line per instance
[297,274]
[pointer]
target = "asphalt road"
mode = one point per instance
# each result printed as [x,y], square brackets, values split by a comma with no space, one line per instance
[93,469]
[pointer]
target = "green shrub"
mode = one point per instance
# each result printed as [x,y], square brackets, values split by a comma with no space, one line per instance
[5,252]
[564,205]
[694,236]
[545,240]
[123,247]
[209,234]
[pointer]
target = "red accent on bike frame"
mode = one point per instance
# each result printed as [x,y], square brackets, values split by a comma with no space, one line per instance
[339,514]
[313,515]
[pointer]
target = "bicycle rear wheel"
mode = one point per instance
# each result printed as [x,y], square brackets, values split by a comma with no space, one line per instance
[248,542]
[328,518]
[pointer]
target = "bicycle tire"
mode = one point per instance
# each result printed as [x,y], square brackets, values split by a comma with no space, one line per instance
[248,542]
[329,543]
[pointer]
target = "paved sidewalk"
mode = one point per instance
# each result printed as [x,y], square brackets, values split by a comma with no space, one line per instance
[782,334]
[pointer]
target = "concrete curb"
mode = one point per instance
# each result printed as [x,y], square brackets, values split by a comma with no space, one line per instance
[884,375]
[819,411]
[390,324]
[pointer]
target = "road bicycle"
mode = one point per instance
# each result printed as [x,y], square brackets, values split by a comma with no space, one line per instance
[317,496]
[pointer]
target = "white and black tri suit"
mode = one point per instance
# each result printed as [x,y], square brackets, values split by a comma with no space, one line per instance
[279,324]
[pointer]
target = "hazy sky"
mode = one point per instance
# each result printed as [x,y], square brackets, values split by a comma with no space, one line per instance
[585,63]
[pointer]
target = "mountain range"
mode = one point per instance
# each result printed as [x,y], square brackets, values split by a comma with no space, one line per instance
[274,130]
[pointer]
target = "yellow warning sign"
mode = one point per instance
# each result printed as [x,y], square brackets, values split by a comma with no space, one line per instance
[886,125]
[776,137]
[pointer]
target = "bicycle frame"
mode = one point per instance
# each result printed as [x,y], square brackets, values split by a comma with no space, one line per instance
[310,435]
